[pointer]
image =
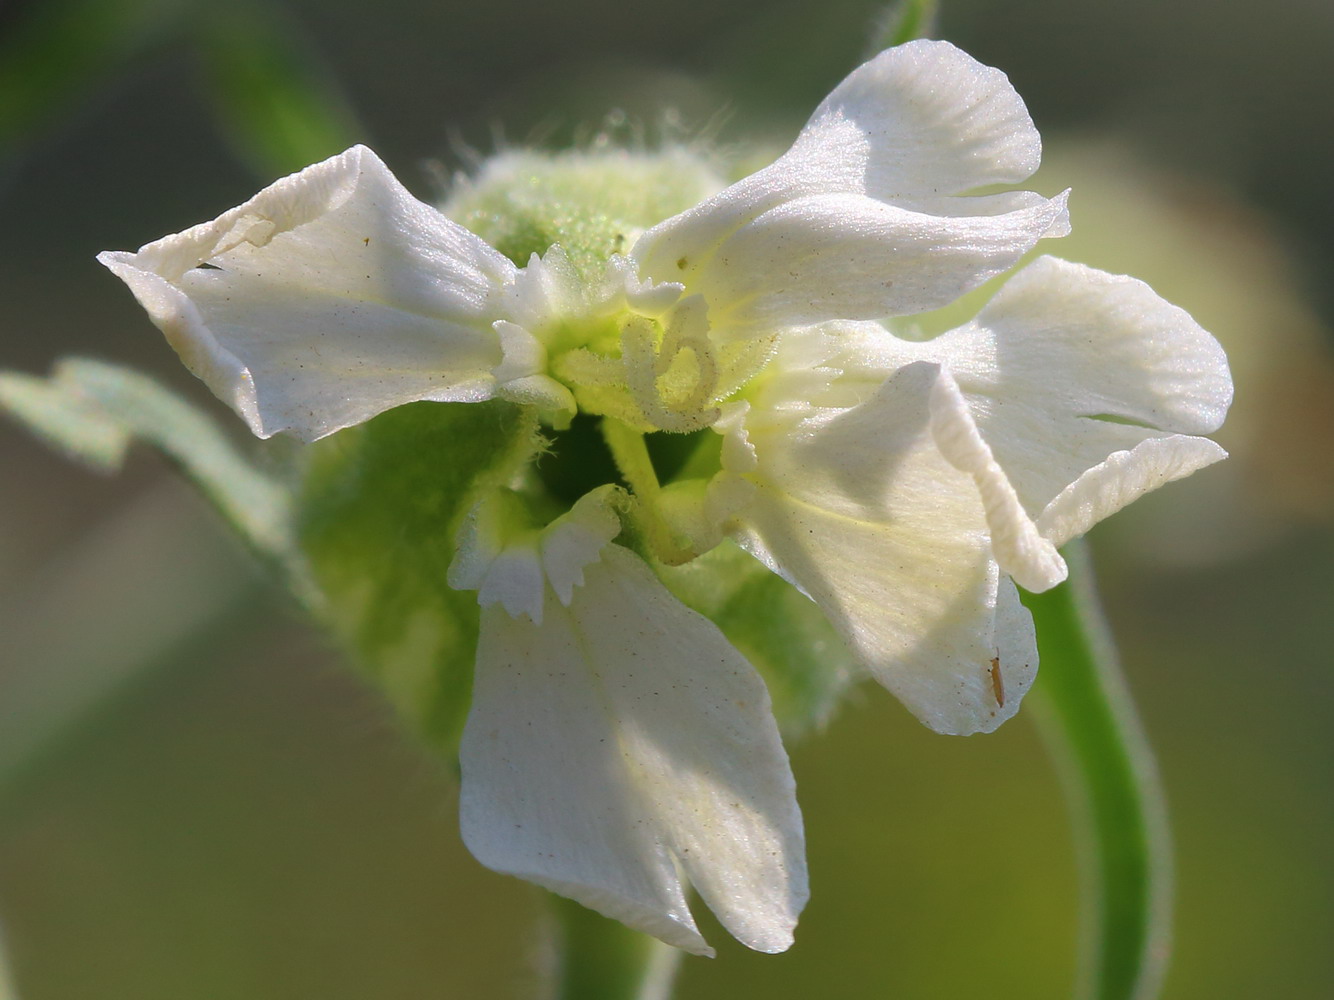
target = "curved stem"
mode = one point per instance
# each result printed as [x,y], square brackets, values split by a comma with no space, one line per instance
[601,959]
[636,467]
[1091,729]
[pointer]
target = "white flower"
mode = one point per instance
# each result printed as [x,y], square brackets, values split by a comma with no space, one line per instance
[617,741]
[618,747]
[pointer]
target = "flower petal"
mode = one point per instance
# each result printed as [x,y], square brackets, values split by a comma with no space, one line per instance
[924,118]
[863,512]
[577,538]
[1068,365]
[911,128]
[624,742]
[330,296]
[1125,476]
[1015,540]
[848,256]
[509,560]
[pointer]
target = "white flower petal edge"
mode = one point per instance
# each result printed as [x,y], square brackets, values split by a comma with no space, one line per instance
[329,297]
[859,508]
[1015,540]
[1068,365]
[867,191]
[1123,477]
[618,746]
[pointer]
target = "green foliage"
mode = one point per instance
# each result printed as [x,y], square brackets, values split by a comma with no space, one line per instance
[593,203]
[779,629]
[380,506]
[1094,736]
[65,418]
[92,411]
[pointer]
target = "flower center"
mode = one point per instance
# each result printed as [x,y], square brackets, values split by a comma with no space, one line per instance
[576,461]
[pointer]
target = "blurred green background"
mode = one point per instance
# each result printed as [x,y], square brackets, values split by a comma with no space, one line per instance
[197,799]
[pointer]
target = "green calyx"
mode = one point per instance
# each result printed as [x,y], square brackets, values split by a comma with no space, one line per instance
[378,512]
[594,203]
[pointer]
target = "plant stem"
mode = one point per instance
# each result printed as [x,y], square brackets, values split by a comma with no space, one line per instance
[601,959]
[636,467]
[1093,734]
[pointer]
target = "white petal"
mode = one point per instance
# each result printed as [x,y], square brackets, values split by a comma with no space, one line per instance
[851,257]
[865,514]
[1015,540]
[1125,476]
[910,128]
[482,536]
[1014,642]
[521,375]
[522,353]
[330,296]
[514,581]
[577,538]
[548,288]
[924,118]
[623,743]
[509,561]
[1068,365]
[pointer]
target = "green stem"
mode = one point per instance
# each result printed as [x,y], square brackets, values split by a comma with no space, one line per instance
[601,959]
[1091,729]
[632,458]
[630,452]
[903,21]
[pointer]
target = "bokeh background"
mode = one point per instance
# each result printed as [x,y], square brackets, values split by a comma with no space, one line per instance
[199,799]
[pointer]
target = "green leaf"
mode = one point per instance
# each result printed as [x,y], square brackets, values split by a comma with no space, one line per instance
[379,510]
[589,202]
[776,627]
[1089,723]
[903,21]
[92,411]
[65,419]
[275,101]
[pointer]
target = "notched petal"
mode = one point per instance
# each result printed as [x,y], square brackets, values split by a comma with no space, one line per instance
[577,538]
[851,257]
[622,747]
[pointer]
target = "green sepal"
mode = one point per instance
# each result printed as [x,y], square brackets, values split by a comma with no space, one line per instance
[92,411]
[781,631]
[379,510]
[593,203]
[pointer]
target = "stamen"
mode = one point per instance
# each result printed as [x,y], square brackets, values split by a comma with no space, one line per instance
[647,366]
